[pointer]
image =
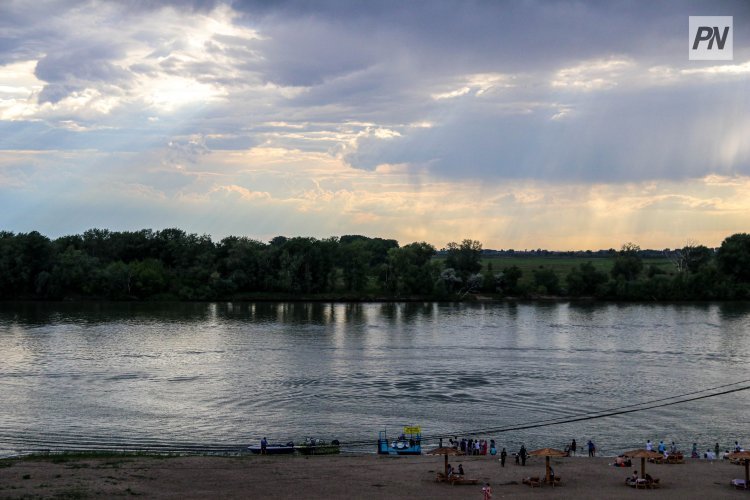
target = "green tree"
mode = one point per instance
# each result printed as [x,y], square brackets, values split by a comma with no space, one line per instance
[585,280]
[465,258]
[509,280]
[149,278]
[733,257]
[692,257]
[73,273]
[628,264]
[114,281]
[409,270]
[354,259]
[546,281]
[243,264]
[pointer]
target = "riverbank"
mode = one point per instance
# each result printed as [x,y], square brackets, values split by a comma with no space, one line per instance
[343,476]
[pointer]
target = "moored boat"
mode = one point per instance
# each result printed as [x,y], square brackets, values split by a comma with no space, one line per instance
[315,446]
[274,449]
[409,442]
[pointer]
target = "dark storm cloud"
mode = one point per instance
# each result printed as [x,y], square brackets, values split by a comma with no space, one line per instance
[464,35]
[619,137]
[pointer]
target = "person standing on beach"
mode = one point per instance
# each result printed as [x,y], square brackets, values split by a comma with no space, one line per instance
[487,492]
[263,446]
[716,449]
[592,448]
[649,446]
[573,447]
[522,454]
[503,456]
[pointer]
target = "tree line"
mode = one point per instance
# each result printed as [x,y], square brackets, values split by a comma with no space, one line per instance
[174,265]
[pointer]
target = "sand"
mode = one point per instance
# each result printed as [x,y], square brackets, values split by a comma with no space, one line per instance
[346,476]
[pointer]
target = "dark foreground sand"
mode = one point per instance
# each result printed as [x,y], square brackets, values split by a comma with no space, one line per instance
[346,476]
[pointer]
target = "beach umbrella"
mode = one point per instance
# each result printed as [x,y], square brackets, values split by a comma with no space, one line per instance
[745,456]
[546,453]
[643,455]
[446,451]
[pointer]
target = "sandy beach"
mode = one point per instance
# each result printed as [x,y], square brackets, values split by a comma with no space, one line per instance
[346,476]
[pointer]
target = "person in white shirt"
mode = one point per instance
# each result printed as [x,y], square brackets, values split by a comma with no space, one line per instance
[710,455]
[649,446]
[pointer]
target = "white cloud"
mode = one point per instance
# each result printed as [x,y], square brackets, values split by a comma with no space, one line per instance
[243,192]
[598,74]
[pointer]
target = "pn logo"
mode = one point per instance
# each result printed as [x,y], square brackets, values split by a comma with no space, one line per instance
[710,38]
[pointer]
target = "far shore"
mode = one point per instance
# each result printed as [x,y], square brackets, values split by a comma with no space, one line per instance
[345,476]
[339,299]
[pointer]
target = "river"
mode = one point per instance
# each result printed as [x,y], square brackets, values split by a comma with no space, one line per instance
[222,375]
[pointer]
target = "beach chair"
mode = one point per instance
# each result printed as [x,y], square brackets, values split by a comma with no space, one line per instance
[739,484]
[462,480]
[554,481]
[640,484]
[532,481]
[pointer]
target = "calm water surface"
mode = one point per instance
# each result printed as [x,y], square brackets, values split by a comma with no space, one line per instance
[103,376]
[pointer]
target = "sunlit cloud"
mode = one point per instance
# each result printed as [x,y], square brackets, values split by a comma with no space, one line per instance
[593,75]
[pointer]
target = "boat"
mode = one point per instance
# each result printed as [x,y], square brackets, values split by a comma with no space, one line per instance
[315,446]
[409,442]
[274,449]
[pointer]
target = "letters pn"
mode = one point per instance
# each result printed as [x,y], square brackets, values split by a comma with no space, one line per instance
[709,34]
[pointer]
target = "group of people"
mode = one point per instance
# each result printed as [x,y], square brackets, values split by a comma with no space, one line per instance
[573,447]
[708,454]
[622,461]
[716,452]
[474,446]
[662,448]
[633,479]
[456,472]
[483,447]
[451,472]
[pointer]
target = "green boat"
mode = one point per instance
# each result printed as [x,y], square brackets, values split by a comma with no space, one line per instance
[314,446]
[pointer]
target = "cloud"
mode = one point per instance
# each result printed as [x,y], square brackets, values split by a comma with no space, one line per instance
[659,132]
[592,75]
[412,117]
[244,193]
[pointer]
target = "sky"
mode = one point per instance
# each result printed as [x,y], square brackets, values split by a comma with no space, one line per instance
[561,125]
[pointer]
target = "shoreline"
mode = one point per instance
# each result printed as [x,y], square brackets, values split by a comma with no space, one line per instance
[478,299]
[344,476]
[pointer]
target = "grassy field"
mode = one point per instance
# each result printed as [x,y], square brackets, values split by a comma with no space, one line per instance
[561,265]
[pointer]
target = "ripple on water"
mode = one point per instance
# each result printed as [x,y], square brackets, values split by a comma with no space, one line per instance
[185,377]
